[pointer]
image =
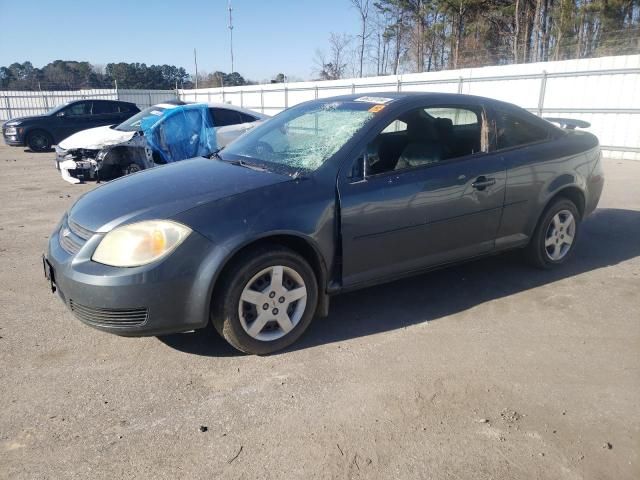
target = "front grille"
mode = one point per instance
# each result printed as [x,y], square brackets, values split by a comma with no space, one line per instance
[79,230]
[73,236]
[110,317]
[68,242]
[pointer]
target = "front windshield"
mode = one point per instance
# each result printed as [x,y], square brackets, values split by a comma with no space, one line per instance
[304,137]
[133,124]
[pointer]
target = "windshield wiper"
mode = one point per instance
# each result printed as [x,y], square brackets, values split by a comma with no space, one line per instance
[244,164]
[240,163]
[216,154]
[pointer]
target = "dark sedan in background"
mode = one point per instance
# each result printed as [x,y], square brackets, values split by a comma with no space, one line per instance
[328,196]
[40,132]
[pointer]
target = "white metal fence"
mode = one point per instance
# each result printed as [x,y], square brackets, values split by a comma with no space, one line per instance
[603,91]
[23,103]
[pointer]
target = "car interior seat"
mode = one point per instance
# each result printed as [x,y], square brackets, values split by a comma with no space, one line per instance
[424,145]
[389,151]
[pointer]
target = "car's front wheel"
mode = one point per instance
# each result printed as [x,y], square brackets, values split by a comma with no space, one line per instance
[555,236]
[266,300]
[39,141]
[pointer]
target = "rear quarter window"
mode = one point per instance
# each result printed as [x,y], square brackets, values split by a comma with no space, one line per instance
[513,131]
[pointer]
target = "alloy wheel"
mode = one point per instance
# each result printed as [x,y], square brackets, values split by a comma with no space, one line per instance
[39,141]
[272,303]
[560,235]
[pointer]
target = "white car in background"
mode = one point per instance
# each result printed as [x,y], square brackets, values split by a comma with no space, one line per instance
[112,151]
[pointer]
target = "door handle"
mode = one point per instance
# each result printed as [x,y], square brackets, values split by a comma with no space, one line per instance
[483,182]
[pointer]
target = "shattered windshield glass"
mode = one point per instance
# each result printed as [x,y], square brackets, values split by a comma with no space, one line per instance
[133,124]
[302,138]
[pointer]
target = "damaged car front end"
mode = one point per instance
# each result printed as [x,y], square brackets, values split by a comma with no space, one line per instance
[79,164]
[109,152]
[102,152]
[158,135]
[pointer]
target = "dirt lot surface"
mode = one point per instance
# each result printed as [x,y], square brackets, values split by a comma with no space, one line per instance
[486,370]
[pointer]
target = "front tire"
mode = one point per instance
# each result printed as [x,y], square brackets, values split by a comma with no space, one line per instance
[266,300]
[555,236]
[39,141]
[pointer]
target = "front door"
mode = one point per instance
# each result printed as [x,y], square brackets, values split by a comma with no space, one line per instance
[74,118]
[431,194]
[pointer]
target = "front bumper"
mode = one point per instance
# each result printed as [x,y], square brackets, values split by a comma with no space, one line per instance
[74,166]
[169,296]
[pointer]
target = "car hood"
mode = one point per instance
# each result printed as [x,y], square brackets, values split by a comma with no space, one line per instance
[163,192]
[96,138]
[26,119]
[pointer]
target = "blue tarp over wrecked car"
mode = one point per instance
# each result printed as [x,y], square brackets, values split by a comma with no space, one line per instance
[180,133]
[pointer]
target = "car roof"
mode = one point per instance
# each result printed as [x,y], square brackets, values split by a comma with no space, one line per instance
[427,96]
[435,97]
[228,106]
[97,100]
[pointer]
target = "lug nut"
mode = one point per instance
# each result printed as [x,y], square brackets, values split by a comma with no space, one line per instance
[275,311]
[265,306]
[281,300]
[272,294]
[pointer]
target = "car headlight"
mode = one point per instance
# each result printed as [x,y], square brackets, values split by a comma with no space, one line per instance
[140,243]
[11,131]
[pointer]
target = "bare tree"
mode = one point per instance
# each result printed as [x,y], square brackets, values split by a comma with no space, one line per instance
[333,65]
[362,6]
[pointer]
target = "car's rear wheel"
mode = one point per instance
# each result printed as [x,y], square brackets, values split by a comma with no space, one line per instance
[555,236]
[39,141]
[266,300]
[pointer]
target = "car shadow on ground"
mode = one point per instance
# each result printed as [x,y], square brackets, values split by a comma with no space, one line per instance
[28,150]
[608,237]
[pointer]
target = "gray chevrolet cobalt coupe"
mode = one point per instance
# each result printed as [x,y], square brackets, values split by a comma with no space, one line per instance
[328,196]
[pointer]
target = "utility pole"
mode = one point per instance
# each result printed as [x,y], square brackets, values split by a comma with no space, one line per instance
[195,61]
[231,35]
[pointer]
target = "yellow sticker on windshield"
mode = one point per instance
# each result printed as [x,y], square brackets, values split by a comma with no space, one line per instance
[376,108]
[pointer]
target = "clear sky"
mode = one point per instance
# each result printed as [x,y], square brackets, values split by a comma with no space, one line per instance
[270,36]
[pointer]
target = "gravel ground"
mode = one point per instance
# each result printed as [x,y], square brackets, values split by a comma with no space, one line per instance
[486,370]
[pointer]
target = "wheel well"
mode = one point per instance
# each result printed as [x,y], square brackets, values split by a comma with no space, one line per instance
[297,244]
[31,131]
[116,156]
[575,195]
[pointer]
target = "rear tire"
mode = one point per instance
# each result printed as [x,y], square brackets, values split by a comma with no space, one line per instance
[39,141]
[555,236]
[265,301]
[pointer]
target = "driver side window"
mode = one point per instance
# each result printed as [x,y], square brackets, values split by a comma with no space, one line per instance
[426,136]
